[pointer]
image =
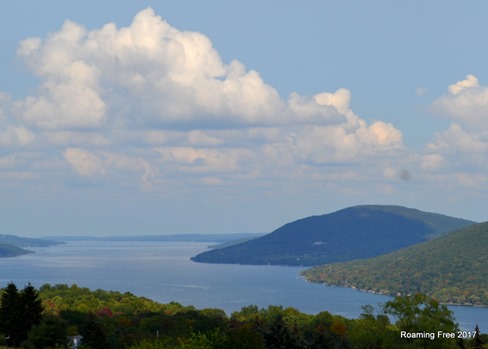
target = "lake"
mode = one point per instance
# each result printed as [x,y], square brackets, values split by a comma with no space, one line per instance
[162,271]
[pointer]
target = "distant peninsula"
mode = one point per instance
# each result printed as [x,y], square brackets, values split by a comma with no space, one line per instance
[352,233]
[8,250]
[13,245]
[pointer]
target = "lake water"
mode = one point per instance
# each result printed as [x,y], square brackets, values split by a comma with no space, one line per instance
[162,271]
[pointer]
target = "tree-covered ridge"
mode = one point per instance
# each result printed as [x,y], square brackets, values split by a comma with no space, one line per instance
[349,234]
[114,320]
[7,250]
[452,268]
[439,223]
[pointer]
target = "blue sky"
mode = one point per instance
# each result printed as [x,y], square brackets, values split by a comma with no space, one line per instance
[149,117]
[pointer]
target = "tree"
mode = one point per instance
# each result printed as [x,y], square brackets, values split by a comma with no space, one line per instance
[9,313]
[421,314]
[372,331]
[19,312]
[94,335]
[477,340]
[30,309]
[278,336]
[50,333]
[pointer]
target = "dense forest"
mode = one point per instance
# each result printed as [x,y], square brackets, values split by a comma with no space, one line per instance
[352,233]
[451,268]
[48,317]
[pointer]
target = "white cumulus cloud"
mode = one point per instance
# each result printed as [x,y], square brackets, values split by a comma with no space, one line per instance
[462,149]
[157,105]
[466,103]
[149,72]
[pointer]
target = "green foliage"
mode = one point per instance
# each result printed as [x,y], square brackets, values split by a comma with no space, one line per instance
[50,333]
[420,314]
[112,320]
[372,331]
[349,234]
[59,298]
[451,269]
[19,311]
[10,316]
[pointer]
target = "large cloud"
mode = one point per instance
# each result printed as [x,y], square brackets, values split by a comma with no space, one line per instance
[149,73]
[156,103]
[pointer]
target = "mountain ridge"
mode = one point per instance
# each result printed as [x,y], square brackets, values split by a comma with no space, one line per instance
[356,232]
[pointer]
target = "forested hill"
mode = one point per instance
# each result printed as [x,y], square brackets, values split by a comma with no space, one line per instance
[452,268]
[349,234]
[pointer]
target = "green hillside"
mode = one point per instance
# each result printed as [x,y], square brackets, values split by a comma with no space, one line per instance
[452,268]
[352,233]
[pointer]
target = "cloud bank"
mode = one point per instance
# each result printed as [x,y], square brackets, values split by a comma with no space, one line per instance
[153,107]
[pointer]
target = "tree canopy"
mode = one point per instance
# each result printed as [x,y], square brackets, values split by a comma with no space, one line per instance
[114,320]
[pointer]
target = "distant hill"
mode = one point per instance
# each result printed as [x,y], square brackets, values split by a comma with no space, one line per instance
[26,242]
[452,268]
[12,245]
[7,250]
[352,233]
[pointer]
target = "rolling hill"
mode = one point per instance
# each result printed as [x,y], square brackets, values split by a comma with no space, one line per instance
[352,233]
[452,268]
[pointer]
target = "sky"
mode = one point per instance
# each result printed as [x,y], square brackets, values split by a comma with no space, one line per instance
[156,117]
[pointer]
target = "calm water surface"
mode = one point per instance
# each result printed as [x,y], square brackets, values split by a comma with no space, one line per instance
[163,272]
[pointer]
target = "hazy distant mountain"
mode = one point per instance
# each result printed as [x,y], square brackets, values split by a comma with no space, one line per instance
[352,233]
[26,242]
[214,238]
[11,245]
[7,250]
[452,268]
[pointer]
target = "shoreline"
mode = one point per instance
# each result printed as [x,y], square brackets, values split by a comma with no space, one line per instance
[397,294]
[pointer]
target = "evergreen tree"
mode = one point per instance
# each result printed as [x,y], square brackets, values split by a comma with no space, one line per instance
[477,341]
[19,311]
[94,335]
[10,318]
[30,310]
